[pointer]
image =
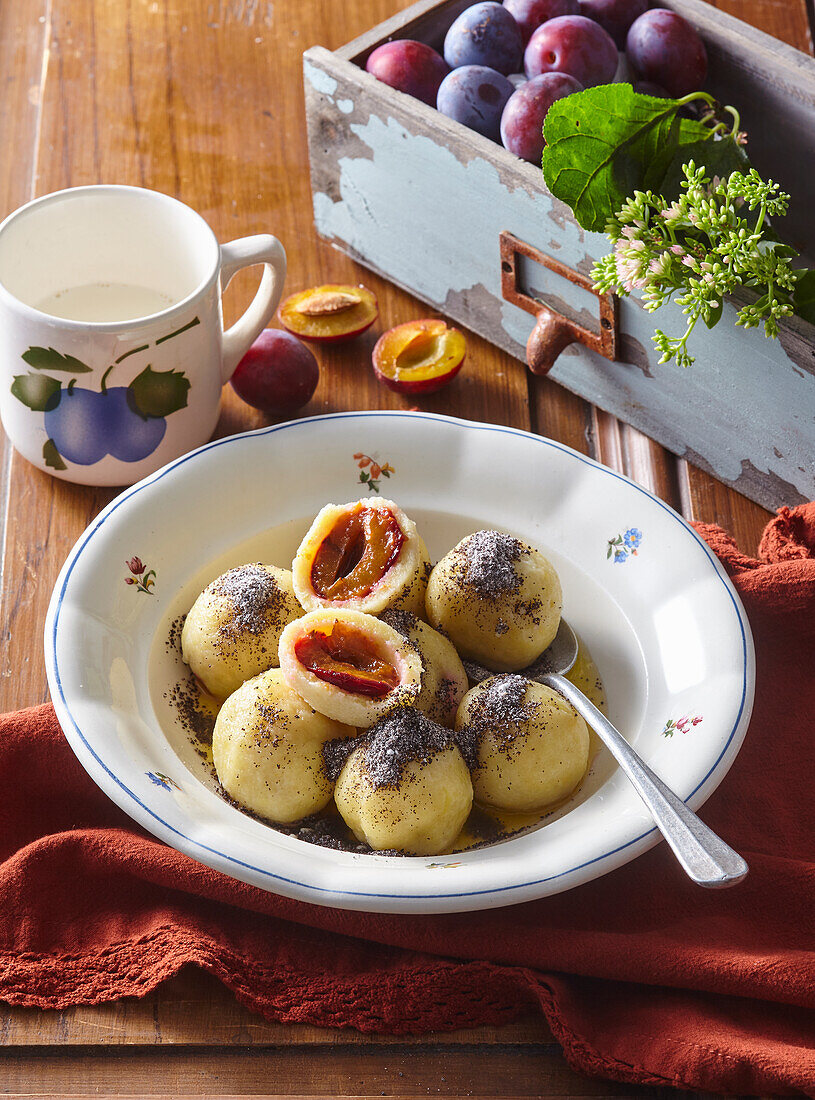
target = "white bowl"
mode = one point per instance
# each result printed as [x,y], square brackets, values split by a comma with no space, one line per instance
[664,625]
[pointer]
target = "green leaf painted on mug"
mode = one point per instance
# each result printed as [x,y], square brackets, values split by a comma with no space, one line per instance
[158,393]
[51,359]
[51,456]
[39,392]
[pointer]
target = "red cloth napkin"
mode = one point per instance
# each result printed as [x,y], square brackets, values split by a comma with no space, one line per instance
[642,976]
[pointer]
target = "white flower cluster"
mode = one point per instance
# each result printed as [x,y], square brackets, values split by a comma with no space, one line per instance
[704,245]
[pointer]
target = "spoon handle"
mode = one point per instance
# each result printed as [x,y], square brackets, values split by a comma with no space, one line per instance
[704,855]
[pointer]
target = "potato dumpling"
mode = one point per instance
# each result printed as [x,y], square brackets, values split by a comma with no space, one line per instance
[268,749]
[363,556]
[498,600]
[349,665]
[444,680]
[406,786]
[232,630]
[531,746]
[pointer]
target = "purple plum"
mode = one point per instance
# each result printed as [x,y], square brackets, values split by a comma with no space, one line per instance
[664,49]
[529,14]
[410,67]
[574,45]
[485,34]
[475,96]
[614,16]
[522,120]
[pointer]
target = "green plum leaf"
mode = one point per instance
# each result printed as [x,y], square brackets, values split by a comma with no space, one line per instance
[158,393]
[37,391]
[605,143]
[803,298]
[50,359]
[51,456]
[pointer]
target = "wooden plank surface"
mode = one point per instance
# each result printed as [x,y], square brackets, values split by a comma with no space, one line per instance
[203,99]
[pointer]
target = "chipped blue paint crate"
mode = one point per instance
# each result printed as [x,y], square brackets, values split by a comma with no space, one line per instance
[423,201]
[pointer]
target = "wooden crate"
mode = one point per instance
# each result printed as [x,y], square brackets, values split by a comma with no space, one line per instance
[424,201]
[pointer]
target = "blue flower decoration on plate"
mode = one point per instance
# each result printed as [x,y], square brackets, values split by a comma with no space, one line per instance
[621,547]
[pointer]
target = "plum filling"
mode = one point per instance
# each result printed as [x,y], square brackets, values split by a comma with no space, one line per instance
[348,660]
[357,553]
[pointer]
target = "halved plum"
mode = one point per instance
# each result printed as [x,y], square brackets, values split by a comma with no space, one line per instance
[329,313]
[419,356]
[349,663]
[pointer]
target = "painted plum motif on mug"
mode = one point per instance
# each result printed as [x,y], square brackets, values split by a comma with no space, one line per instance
[84,425]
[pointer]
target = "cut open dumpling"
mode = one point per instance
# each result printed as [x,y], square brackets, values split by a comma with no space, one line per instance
[349,665]
[364,556]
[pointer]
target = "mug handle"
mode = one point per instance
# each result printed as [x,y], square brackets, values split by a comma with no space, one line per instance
[261,249]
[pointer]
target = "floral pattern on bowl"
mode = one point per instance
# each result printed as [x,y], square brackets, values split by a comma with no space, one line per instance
[682,725]
[621,546]
[143,578]
[370,471]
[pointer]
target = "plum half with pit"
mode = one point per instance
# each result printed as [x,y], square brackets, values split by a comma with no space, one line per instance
[278,374]
[475,96]
[614,16]
[574,45]
[522,120]
[485,34]
[419,357]
[529,14]
[409,66]
[664,49]
[329,313]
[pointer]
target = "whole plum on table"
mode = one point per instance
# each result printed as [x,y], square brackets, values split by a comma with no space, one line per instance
[614,16]
[522,120]
[277,375]
[485,34]
[529,14]
[663,48]
[475,96]
[410,67]
[574,45]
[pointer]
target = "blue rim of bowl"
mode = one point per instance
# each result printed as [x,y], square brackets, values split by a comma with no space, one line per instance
[55,680]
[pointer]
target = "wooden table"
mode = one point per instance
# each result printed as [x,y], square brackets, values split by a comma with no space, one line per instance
[203,99]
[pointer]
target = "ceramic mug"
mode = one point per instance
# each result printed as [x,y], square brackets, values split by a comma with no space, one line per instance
[112,346]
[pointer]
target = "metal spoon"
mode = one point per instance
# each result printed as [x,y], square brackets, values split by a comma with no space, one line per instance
[705,856]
